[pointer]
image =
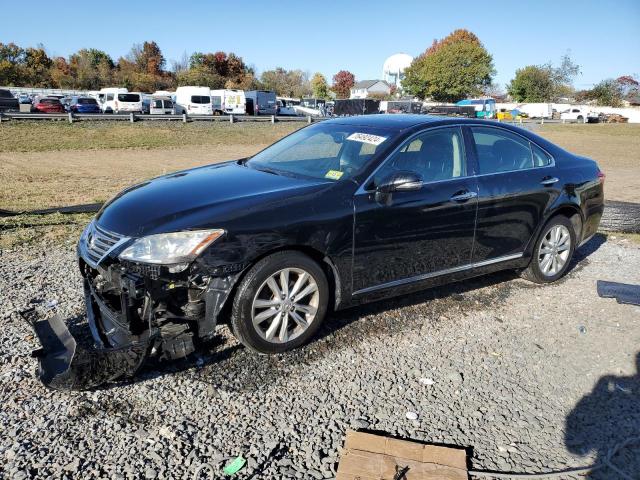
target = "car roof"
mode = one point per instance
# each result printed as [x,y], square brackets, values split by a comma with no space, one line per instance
[402,121]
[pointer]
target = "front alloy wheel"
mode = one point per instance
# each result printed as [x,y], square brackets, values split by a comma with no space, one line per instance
[285,305]
[280,302]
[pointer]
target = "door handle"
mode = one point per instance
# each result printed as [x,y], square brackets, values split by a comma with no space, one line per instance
[546,181]
[463,196]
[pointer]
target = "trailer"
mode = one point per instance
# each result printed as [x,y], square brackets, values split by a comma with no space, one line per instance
[356,106]
[451,110]
[403,106]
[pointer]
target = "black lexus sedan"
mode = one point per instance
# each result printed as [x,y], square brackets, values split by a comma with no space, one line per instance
[338,213]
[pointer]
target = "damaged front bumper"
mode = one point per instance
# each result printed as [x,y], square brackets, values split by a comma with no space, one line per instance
[134,311]
[65,365]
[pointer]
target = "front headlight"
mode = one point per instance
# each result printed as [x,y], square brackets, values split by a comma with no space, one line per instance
[170,248]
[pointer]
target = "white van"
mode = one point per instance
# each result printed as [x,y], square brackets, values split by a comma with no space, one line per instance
[193,101]
[228,101]
[119,100]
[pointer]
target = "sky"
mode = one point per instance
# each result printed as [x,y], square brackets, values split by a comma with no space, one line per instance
[603,37]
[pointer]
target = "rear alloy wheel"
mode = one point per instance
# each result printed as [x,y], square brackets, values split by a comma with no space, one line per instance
[280,303]
[553,251]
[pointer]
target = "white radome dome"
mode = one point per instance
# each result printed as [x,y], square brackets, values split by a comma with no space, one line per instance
[396,63]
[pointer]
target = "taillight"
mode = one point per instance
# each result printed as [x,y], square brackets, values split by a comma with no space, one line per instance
[601,176]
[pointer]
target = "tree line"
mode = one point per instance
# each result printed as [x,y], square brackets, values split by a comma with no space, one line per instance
[144,68]
[452,68]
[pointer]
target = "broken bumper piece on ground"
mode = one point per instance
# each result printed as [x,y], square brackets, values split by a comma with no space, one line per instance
[65,365]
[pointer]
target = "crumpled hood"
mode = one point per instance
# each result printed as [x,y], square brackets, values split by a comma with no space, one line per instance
[202,197]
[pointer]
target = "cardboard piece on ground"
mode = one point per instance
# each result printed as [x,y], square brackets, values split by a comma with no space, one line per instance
[372,457]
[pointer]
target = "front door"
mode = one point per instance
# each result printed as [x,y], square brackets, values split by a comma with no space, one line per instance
[414,234]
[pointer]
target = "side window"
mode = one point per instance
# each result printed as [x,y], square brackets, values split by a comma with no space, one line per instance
[501,151]
[436,155]
[540,157]
[109,97]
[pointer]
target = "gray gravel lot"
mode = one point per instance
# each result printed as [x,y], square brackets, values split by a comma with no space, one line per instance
[531,378]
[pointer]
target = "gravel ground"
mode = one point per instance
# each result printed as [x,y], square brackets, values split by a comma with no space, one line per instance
[530,378]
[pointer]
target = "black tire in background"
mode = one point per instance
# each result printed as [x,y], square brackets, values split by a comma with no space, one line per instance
[621,217]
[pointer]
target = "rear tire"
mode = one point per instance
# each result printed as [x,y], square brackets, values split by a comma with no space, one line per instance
[552,252]
[268,314]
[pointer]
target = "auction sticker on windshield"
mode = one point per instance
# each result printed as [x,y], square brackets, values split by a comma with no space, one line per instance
[366,138]
[333,174]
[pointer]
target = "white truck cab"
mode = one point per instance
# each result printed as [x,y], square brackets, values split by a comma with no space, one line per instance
[579,114]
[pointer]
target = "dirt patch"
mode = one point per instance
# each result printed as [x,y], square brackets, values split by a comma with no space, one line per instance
[47,179]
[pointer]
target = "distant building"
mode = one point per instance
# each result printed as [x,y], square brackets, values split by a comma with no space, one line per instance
[366,88]
[394,67]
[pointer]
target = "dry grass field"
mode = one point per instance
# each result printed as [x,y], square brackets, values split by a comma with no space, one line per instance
[47,164]
[616,148]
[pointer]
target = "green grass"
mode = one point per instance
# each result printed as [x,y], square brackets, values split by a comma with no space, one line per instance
[47,135]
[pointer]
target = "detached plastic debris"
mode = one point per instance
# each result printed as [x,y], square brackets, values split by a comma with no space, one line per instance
[426,381]
[582,329]
[52,303]
[622,292]
[64,365]
[412,415]
[234,465]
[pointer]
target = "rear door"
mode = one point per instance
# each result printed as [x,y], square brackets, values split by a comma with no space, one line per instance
[517,181]
[416,234]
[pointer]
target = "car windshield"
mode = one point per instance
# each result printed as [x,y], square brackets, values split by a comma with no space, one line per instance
[128,97]
[327,151]
[200,99]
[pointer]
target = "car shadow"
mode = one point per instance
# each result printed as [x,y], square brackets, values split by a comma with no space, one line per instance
[441,303]
[607,421]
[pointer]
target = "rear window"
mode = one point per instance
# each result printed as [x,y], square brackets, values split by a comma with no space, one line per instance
[128,97]
[203,99]
[50,101]
[87,101]
[5,94]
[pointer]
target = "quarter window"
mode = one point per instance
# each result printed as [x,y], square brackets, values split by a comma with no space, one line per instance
[503,151]
[436,155]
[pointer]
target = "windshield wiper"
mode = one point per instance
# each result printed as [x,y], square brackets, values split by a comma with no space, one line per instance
[269,170]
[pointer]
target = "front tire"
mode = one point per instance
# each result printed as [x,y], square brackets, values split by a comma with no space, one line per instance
[553,251]
[280,303]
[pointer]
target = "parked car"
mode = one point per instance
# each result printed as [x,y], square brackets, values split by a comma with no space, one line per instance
[284,110]
[193,100]
[7,101]
[336,214]
[83,105]
[261,102]
[161,105]
[47,105]
[579,114]
[24,99]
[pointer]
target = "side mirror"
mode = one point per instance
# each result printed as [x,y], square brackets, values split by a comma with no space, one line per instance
[400,181]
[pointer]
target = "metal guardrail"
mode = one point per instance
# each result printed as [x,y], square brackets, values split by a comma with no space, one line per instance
[135,117]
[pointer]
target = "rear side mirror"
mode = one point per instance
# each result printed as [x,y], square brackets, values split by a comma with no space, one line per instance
[400,181]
